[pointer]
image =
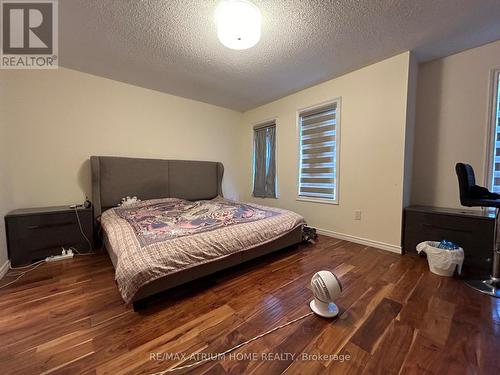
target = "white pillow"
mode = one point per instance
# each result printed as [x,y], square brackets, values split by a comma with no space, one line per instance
[128,201]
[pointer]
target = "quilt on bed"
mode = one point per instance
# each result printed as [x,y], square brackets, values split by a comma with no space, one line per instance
[155,238]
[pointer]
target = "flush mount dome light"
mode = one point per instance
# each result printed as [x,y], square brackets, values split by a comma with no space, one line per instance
[238,24]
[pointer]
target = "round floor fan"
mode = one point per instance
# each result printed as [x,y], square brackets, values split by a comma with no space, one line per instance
[325,287]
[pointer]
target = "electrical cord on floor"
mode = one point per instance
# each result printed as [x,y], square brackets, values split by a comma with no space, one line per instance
[22,273]
[23,270]
[28,266]
[221,355]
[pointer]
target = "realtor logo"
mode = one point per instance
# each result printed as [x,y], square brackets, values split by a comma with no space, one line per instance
[29,34]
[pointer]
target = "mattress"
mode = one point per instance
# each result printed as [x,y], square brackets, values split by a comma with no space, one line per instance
[156,238]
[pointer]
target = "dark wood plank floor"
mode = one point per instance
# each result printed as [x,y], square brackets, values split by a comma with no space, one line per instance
[68,318]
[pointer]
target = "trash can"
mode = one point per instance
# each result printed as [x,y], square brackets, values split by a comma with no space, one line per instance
[442,262]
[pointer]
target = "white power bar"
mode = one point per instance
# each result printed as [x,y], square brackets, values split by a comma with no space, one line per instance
[65,255]
[55,258]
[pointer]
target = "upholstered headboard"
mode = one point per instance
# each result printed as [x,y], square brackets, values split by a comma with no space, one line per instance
[114,178]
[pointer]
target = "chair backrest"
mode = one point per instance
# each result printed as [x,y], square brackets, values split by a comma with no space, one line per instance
[466,180]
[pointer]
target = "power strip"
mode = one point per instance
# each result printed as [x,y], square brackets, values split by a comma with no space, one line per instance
[65,254]
[55,258]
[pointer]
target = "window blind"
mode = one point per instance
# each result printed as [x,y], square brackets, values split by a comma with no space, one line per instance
[496,155]
[318,153]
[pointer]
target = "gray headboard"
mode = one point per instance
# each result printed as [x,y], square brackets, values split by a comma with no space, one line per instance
[114,178]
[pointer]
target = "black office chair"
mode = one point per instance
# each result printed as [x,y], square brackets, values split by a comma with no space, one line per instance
[472,195]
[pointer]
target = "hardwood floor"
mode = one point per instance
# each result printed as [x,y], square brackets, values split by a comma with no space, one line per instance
[396,317]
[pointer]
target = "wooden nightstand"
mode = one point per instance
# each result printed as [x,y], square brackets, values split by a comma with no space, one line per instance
[35,233]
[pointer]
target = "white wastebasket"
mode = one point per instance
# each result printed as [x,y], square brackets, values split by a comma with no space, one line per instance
[441,261]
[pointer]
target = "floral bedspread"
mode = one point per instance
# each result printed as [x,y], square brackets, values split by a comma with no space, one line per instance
[160,221]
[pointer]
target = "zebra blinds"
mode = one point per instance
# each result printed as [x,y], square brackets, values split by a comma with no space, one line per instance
[496,156]
[318,153]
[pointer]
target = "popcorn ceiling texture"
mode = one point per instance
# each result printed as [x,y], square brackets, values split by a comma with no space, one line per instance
[172,46]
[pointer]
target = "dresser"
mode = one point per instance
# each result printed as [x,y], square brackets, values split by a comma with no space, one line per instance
[472,230]
[36,233]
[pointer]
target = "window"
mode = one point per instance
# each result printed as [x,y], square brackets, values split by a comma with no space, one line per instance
[318,141]
[264,160]
[495,160]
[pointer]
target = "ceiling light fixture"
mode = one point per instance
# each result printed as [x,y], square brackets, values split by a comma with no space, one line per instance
[238,24]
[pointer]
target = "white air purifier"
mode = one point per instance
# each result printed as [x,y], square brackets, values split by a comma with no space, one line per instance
[325,287]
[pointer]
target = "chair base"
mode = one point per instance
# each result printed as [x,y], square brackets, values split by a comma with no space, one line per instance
[490,286]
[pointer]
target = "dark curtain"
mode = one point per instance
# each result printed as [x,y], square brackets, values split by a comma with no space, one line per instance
[265,162]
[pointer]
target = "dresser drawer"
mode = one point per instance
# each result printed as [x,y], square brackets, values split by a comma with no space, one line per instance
[45,221]
[47,232]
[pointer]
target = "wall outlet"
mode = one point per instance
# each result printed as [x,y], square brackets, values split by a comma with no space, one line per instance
[357,215]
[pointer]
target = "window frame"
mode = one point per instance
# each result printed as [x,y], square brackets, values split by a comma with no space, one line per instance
[338,101]
[492,122]
[256,125]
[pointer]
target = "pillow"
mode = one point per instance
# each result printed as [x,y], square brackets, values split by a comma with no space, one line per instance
[128,201]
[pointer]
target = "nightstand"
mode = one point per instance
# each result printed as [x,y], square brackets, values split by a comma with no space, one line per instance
[36,233]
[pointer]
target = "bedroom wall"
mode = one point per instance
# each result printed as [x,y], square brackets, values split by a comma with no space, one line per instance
[57,119]
[372,152]
[411,109]
[452,122]
[5,192]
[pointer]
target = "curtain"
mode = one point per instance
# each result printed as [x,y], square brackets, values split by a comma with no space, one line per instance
[265,161]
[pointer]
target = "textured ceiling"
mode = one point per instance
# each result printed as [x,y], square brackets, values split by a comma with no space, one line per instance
[172,46]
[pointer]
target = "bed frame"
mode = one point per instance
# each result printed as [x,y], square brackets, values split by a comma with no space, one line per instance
[116,177]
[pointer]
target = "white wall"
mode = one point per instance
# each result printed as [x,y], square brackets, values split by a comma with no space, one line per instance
[372,151]
[5,196]
[452,122]
[411,109]
[57,119]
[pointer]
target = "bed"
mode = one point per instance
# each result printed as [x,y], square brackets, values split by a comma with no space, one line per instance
[183,228]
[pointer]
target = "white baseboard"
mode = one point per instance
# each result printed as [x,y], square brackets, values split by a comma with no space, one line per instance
[4,269]
[360,240]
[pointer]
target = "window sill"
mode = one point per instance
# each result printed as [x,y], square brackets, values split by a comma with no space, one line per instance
[317,200]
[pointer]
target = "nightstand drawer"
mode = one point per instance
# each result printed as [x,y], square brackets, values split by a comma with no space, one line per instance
[45,235]
[36,234]
[40,223]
